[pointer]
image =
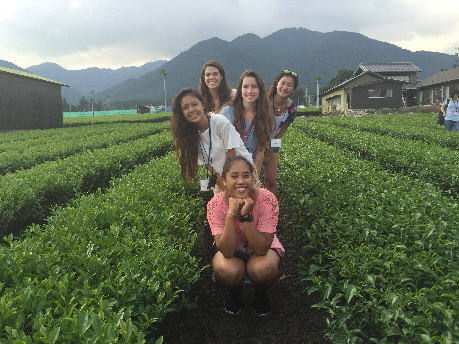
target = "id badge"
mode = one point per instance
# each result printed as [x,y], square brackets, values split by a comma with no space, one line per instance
[276,142]
[204,184]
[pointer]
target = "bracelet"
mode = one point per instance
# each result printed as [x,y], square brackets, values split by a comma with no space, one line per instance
[230,214]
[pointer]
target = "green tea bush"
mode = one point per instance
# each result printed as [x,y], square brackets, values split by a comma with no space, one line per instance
[26,153]
[28,196]
[425,161]
[385,247]
[110,119]
[400,126]
[105,269]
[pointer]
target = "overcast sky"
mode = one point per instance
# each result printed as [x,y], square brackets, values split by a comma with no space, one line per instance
[112,33]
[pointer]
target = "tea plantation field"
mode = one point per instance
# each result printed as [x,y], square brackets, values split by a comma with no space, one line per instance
[98,230]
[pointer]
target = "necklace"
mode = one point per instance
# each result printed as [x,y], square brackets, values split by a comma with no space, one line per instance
[279,107]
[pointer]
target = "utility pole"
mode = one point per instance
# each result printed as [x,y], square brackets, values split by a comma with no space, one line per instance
[317,101]
[108,102]
[164,74]
[306,97]
[92,102]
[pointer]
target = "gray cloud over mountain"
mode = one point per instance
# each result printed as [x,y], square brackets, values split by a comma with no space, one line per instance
[115,33]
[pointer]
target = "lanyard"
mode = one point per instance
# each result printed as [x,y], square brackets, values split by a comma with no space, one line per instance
[248,131]
[202,148]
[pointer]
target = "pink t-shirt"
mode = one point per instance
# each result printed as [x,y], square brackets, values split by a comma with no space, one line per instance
[265,215]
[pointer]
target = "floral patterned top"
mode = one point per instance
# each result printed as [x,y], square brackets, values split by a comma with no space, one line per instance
[287,116]
[265,215]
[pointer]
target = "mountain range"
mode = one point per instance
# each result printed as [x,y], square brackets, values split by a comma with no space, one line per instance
[311,54]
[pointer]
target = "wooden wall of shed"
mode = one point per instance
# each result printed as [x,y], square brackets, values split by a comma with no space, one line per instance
[26,103]
[361,99]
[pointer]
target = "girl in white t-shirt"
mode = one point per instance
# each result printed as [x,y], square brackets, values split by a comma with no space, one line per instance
[202,138]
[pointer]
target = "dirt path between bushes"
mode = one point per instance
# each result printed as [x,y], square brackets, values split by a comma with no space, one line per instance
[292,319]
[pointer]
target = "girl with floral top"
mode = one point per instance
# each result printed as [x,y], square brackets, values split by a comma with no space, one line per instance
[284,110]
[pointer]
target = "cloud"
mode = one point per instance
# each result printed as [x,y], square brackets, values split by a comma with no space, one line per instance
[115,33]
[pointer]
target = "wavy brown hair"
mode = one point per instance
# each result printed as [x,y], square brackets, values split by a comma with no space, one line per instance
[224,90]
[264,118]
[272,91]
[186,136]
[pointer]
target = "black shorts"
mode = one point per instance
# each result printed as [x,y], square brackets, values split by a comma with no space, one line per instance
[240,254]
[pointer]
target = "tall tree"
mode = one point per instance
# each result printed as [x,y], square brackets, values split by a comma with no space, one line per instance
[83,104]
[341,76]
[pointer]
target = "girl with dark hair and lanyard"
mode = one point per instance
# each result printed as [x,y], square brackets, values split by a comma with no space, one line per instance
[284,110]
[201,138]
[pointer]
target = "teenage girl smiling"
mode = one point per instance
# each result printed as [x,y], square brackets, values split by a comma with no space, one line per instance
[202,138]
[251,115]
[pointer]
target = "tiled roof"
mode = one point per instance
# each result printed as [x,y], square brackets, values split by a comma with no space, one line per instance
[28,75]
[440,77]
[348,81]
[398,67]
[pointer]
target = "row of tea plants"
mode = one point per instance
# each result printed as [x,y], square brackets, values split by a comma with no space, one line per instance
[106,268]
[28,196]
[425,161]
[22,153]
[384,244]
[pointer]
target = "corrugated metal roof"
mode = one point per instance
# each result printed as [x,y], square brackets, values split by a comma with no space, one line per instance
[387,67]
[440,77]
[29,75]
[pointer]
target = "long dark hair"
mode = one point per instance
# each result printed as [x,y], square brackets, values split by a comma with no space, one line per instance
[273,90]
[224,90]
[186,136]
[264,119]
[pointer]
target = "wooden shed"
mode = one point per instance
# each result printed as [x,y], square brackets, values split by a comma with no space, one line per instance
[29,101]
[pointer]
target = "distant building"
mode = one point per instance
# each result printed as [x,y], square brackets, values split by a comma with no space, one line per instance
[436,87]
[28,101]
[143,109]
[373,86]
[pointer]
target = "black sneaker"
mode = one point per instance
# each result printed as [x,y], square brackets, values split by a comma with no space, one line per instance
[261,303]
[246,279]
[233,303]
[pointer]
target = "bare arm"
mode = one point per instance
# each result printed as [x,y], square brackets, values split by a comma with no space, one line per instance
[283,129]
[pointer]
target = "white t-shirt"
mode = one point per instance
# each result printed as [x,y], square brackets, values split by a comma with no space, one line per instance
[224,137]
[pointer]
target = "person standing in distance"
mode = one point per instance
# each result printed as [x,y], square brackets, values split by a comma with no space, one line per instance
[451,112]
